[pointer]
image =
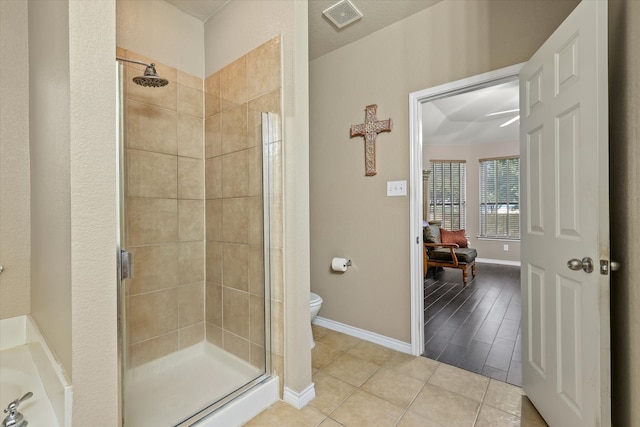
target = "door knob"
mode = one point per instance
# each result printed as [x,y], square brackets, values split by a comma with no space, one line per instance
[585,264]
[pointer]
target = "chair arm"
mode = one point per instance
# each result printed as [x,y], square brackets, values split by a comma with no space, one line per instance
[451,247]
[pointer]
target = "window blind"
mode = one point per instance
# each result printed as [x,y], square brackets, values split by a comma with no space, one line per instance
[500,198]
[447,193]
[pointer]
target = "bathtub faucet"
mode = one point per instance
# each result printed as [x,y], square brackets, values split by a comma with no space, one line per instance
[15,418]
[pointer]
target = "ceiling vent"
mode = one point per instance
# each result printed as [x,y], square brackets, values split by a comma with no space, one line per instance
[342,13]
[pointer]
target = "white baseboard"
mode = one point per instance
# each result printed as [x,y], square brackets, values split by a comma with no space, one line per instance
[299,400]
[497,261]
[391,343]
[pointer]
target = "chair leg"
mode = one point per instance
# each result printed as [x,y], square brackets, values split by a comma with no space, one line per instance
[465,276]
[473,269]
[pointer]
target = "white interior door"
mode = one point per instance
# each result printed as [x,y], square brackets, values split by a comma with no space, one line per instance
[564,187]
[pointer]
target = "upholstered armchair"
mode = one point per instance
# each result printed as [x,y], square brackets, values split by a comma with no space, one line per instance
[444,248]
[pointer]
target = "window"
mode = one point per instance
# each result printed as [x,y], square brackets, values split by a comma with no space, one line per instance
[447,193]
[500,198]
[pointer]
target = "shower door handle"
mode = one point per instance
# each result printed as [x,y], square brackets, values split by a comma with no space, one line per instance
[126,264]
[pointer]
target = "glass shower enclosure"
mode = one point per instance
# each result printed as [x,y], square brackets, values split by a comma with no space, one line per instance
[194,247]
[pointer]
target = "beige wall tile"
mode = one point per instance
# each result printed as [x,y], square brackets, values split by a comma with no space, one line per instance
[233,81]
[214,335]
[235,220]
[190,220]
[212,104]
[152,314]
[235,174]
[277,222]
[254,159]
[163,97]
[214,219]
[155,348]
[263,68]
[191,304]
[256,221]
[235,270]
[152,174]
[237,346]
[213,178]
[190,178]
[191,335]
[188,80]
[269,102]
[274,151]
[190,101]
[213,136]
[277,337]
[256,270]
[156,267]
[212,84]
[277,274]
[256,320]
[190,139]
[152,221]
[258,356]
[213,312]
[214,262]
[234,129]
[235,312]
[151,128]
[191,262]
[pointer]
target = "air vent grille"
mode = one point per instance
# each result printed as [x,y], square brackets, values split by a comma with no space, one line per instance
[342,13]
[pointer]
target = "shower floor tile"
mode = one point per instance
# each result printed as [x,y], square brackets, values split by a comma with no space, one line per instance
[161,392]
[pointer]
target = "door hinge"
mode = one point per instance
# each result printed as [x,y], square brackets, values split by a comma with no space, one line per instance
[126,265]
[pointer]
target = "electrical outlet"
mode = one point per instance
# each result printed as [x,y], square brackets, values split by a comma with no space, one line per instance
[506,248]
[396,188]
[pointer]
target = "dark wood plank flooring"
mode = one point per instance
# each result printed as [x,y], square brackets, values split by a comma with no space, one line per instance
[475,327]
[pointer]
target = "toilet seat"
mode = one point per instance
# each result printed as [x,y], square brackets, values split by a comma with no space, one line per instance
[314,299]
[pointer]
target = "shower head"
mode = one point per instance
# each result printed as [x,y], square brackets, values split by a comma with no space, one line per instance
[150,78]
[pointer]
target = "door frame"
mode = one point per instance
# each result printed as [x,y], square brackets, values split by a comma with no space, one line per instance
[416,99]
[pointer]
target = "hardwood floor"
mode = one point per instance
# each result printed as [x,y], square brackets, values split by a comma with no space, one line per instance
[476,327]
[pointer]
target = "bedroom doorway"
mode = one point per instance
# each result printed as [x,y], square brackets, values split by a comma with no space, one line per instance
[475,327]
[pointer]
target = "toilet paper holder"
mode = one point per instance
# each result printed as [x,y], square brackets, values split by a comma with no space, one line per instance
[348,263]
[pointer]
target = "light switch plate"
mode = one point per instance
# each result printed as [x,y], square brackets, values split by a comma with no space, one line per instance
[396,188]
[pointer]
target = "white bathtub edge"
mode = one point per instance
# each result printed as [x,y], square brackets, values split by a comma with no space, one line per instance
[55,383]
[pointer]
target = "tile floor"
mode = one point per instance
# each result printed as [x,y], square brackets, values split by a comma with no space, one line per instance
[359,383]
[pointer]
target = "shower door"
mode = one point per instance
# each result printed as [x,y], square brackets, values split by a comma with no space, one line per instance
[195,315]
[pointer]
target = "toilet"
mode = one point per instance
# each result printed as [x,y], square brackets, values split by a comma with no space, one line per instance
[315,303]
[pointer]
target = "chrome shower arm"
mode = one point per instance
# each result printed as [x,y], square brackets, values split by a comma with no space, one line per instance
[133,61]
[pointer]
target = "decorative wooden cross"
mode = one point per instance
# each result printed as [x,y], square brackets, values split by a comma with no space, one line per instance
[370,130]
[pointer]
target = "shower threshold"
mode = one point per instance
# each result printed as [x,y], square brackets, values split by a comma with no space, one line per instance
[167,391]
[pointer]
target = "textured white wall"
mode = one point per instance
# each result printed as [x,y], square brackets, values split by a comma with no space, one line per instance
[15,229]
[92,137]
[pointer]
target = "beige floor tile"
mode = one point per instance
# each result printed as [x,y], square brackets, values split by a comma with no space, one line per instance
[460,381]
[281,414]
[328,422]
[318,331]
[410,419]
[506,397]
[445,407]
[491,417]
[323,354]
[330,392]
[339,341]
[530,413]
[362,409]
[393,387]
[372,352]
[351,369]
[418,367]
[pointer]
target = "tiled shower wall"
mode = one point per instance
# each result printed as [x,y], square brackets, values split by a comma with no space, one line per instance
[234,98]
[176,180]
[165,212]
